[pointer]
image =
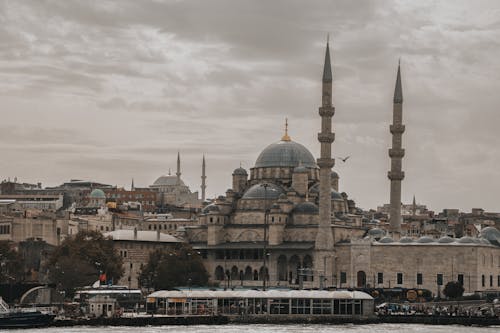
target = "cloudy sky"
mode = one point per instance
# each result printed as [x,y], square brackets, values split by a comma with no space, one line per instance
[110,90]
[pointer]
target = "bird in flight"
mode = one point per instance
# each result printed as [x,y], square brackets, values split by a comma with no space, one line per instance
[343,159]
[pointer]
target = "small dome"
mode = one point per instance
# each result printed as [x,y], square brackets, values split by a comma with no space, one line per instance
[210,208]
[282,196]
[374,221]
[300,169]
[386,240]
[169,180]
[406,240]
[335,195]
[285,154]
[335,175]
[376,232]
[240,172]
[446,239]
[425,239]
[306,208]
[466,240]
[259,191]
[97,194]
[492,234]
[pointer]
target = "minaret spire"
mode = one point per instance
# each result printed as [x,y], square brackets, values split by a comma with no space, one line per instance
[203,178]
[396,153]
[132,187]
[178,173]
[324,236]
[286,137]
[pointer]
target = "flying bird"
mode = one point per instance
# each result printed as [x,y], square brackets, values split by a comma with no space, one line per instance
[343,159]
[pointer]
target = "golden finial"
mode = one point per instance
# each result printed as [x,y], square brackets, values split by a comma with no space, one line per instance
[286,137]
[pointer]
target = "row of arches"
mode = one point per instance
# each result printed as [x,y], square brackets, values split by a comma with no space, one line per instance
[236,274]
[288,269]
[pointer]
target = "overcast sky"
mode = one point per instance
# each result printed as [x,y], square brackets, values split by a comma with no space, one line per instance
[112,90]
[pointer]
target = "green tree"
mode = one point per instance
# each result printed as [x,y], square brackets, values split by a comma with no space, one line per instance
[180,266]
[11,263]
[453,289]
[79,260]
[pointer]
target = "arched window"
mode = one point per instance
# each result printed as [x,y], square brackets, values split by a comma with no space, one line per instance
[219,273]
[308,265]
[234,273]
[293,269]
[282,268]
[248,273]
[255,275]
[264,274]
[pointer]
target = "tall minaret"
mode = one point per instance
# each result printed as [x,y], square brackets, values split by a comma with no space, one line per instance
[132,187]
[324,237]
[396,153]
[203,178]
[178,173]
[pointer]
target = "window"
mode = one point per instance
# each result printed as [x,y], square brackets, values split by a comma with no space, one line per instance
[400,278]
[482,280]
[498,282]
[461,279]
[343,277]
[420,279]
[380,278]
[491,280]
[439,279]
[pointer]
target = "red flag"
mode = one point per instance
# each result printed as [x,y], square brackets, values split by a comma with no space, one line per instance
[102,277]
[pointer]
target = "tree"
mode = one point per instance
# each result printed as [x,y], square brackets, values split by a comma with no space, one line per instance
[79,261]
[11,263]
[453,289]
[169,269]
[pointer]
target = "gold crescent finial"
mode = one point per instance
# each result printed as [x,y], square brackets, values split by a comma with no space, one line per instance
[286,137]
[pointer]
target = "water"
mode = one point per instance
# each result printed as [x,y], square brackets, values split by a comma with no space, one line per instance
[382,328]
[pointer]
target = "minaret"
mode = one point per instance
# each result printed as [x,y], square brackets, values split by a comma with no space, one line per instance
[324,237]
[132,187]
[178,173]
[203,178]
[414,207]
[396,153]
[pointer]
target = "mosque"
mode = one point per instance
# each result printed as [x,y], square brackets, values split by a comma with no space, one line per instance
[284,223]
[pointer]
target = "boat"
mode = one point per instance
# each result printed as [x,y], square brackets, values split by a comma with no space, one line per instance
[12,318]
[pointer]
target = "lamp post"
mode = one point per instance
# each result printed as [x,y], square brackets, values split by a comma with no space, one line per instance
[264,265]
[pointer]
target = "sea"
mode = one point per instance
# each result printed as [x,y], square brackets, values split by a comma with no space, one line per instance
[374,328]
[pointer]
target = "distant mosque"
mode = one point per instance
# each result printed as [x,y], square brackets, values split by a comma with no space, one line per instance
[172,191]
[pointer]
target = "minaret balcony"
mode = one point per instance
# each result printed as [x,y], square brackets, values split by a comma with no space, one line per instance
[326,111]
[326,137]
[397,129]
[396,153]
[325,162]
[396,175]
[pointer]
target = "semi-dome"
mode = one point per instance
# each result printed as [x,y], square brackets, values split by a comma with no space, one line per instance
[466,240]
[425,239]
[285,154]
[406,240]
[484,241]
[446,239]
[240,172]
[376,232]
[210,208]
[259,191]
[306,208]
[97,194]
[169,180]
[335,195]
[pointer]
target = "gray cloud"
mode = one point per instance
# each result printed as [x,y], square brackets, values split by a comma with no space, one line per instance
[111,90]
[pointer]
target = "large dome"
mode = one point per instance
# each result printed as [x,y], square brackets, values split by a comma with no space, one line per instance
[285,154]
[169,180]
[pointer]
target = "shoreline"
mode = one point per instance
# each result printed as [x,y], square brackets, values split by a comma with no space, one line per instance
[302,319]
